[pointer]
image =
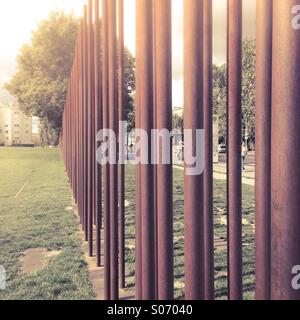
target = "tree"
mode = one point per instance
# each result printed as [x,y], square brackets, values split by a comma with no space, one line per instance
[178,122]
[43,70]
[219,98]
[129,96]
[248,91]
[248,86]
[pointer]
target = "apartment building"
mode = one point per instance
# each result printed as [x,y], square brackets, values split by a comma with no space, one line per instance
[15,126]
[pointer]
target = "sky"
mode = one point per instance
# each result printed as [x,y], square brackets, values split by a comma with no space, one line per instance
[18,18]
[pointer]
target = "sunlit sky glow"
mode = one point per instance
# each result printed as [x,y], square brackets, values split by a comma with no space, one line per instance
[18,18]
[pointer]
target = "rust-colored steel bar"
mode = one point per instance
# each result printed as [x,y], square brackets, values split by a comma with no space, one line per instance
[163,54]
[208,152]
[285,172]
[106,183]
[113,167]
[85,123]
[234,132]
[93,123]
[138,220]
[145,50]
[193,120]
[90,125]
[72,137]
[76,124]
[121,167]
[98,126]
[81,167]
[155,143]
[264,19]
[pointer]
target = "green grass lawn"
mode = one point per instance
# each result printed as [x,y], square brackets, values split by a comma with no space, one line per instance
[220,231]
[38,219]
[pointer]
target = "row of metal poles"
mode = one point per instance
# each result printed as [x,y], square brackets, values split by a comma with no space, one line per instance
[96,100]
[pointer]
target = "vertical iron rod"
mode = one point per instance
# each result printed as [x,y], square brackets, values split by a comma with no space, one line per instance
[163,67]
[193,120]
[263,149]
[208,152]
[138,219]
[234,132]
[98,126]
[145,50]
[121,167]
[106,182]
[285,177]
[90,126]
[85,120]
[113,167]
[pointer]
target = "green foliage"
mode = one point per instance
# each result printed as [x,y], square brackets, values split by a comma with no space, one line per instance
[248,90]
[43,71]
[219,97]
[248,86]
[178,122]
[129,78]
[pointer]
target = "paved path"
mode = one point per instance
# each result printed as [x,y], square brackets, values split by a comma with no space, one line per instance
[220,173]
[96,274]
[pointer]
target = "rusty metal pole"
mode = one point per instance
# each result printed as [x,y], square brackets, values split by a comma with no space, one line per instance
[234,132]
[145,50]
[263,149]
[93,123]
[121,167]
[106,184]
[208,152]
[154,142]
[163,54]
[85,123]
[76,126]
[285,190]
[98,126]
[81,128]
[138,220]
[113,167]
[78,123]
[90,126]
[193,120]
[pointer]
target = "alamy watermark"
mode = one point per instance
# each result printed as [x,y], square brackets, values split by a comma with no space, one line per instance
[152,147]
[2,278]
[296,278]
[296,17]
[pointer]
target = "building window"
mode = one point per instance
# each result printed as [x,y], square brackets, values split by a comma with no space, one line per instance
[6,131]
[17,125]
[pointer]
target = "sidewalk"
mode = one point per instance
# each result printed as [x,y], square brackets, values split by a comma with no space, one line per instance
[248,177]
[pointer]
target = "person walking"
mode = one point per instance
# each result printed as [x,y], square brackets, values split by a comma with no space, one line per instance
[244,154]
